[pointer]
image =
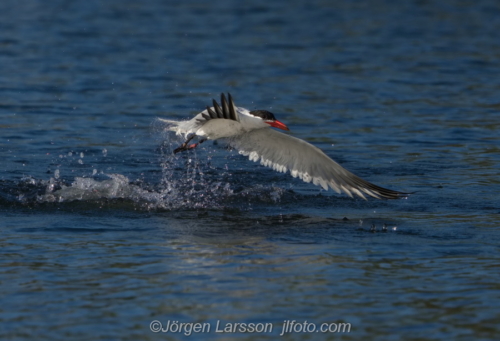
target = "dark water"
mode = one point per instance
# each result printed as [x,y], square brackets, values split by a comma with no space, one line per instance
[104,231]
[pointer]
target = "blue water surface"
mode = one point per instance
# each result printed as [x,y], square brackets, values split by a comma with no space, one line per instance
[104,230]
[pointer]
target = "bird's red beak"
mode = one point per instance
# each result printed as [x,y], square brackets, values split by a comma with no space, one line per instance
[277,124]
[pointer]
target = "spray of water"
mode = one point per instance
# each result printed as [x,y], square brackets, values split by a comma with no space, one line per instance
[183,181]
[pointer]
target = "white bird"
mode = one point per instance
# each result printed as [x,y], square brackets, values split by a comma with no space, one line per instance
[249,132]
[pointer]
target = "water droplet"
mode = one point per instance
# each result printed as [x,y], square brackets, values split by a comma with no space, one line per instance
[105,152]
[80,161]
[94,171]
[82,155]
[56,174]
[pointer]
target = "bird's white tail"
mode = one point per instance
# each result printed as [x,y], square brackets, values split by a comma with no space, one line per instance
[172,125]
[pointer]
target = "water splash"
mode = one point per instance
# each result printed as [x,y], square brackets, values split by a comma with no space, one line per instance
[183,181]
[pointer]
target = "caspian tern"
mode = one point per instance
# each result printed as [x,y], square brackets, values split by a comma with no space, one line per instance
[249,132]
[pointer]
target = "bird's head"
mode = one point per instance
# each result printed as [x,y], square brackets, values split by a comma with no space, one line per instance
[268,117]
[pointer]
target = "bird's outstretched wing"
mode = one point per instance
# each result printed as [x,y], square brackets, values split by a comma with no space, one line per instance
[285,153]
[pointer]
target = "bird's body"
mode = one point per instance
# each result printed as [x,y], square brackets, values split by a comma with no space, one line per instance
[216,128]
[249,132]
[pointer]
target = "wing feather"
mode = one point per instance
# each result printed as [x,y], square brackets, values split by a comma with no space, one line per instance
[217,109]
[232,109]
[225,106]
[284,153]
[211,113]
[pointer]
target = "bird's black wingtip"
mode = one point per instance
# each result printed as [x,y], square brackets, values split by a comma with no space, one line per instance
[227,109]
